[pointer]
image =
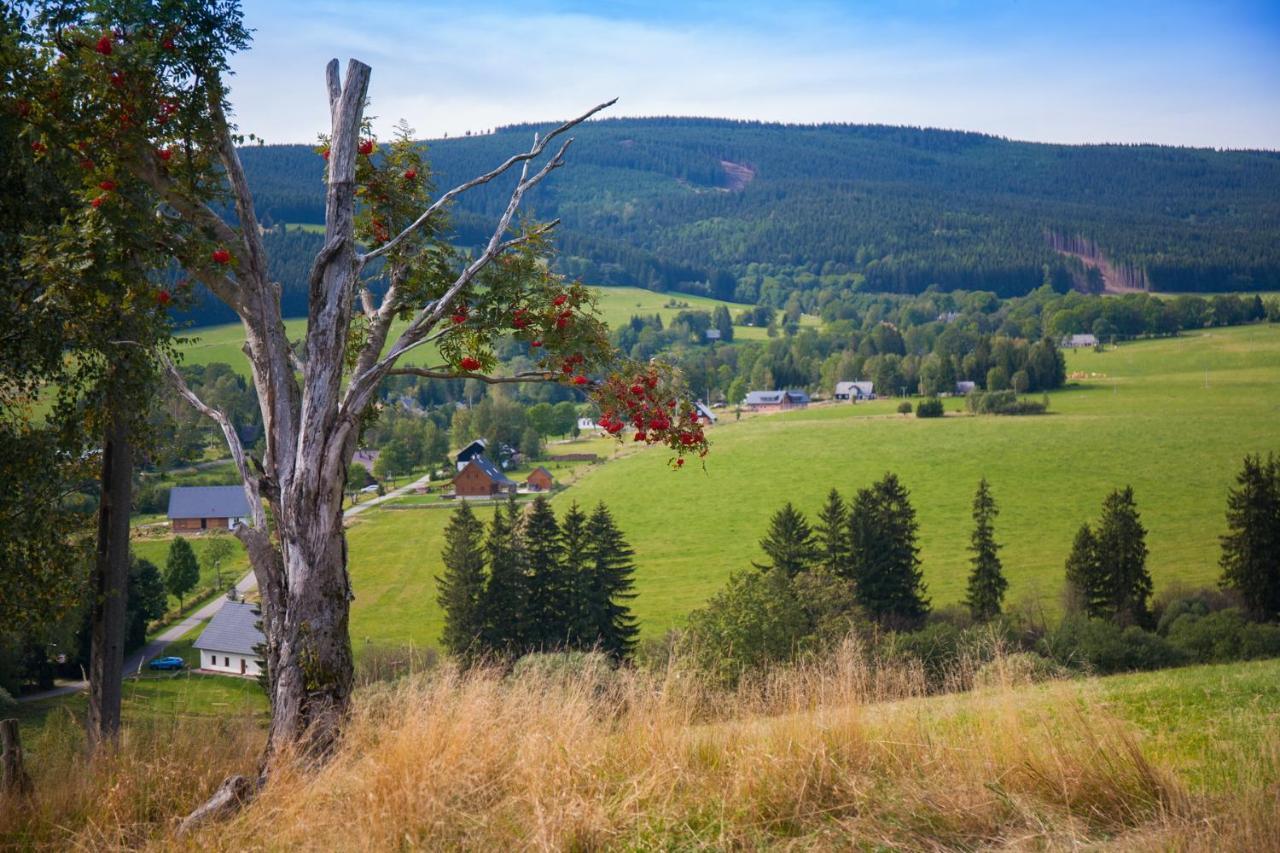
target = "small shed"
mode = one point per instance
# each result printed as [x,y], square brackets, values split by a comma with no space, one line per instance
[704,412]
[195,508]
[540,480]
[471,451]
[227,644]
[480,478]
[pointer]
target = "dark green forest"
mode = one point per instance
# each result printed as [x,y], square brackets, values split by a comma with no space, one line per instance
[754,212]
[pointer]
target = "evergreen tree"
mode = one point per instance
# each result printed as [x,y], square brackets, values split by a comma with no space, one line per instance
[1251,550]
[575,541]
[789,544]
[833,536]
[886,563]
[506,594]
[181,571]
[1084,574]
[987,582]
[460,590]
[548,590]
[1122,558]
[611,571]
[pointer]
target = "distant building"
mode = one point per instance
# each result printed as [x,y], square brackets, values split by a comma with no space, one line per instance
[703,412]
[587,425]
[227,644]
[713,334]
[194,508]
[948,316]
[540,480]
[1078,341]
[964,388]
[472,450]
[366,458]
[854,391]
[480,478]
[775,401]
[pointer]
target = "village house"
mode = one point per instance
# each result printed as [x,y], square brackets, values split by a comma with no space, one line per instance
[227,644]
[196,508]
[775,401]
[855,391]
[704,412]
[965,387]
[471,451]
[1078,341]
[540,480]
[480,478]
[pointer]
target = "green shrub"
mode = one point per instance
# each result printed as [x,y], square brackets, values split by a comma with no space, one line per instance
[930,408]
[904,408]
[1222,636]
[1003,403]
[1102,647]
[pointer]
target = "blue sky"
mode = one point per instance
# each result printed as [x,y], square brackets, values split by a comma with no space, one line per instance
[1205,74]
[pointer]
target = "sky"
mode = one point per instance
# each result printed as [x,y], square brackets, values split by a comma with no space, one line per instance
[1179,73]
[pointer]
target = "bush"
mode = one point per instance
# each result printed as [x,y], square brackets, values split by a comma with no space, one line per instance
[1222,636]
[931,408]
[904,408]
[1003,403]
[1102,647]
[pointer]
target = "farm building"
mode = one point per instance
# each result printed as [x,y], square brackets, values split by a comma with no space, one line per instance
[587,425]
[704,412]
[227,644]
[775,401]
[195,508]
[1078,341]
[480,478]
[855,391]
[964,388]
[471,451]
[540,480]
[712,334]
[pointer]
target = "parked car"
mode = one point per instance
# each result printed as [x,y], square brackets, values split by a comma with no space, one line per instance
[167,663]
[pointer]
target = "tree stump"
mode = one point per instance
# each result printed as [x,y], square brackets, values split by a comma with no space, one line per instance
[14,780]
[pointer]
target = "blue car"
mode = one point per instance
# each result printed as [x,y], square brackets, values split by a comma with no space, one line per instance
[167,663]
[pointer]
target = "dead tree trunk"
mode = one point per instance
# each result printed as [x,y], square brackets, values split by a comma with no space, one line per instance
[14,779]
[110,584]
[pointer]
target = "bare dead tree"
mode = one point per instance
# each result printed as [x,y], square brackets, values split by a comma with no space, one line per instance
[311,406]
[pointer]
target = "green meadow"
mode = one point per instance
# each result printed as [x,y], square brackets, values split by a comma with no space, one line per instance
[1171,417]
[616,305]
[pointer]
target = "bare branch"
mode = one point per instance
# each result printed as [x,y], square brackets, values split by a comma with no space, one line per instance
[250,482]
[533,153]
[429,373]
[333,84]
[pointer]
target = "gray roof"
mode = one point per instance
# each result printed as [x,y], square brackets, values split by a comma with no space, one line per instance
[493,472]
[858,386]
[472,450]
[208,502]
[232,629]
[764,398]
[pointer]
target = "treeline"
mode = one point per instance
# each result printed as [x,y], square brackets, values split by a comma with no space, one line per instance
[532,583]
[856,572]
[650,202]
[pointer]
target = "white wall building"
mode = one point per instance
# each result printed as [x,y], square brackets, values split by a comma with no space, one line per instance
[227,644]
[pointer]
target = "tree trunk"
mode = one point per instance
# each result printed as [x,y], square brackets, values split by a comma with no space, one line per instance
[110,585]
[13,776]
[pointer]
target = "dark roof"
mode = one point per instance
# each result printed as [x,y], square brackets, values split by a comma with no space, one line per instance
[493,472]
[208,502]
[232,629]
[765,398]
[472,450]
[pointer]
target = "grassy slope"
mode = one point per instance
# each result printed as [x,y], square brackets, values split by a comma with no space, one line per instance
[617,305]
[1149,422]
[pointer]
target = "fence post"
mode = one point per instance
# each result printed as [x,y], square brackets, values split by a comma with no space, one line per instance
[14,779]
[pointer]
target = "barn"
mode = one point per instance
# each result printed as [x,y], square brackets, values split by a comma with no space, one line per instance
[480,478]
[776,401]
[227,644]
[540,480]
[196,508]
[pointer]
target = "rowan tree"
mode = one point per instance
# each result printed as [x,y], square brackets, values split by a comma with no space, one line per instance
[143,87]
[1251,549]
[987,583]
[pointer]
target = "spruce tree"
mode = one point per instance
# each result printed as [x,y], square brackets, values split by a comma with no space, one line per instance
[1251,550]
[888,581]
[460,590]
[789,544]
[505,595]
[575,540]
[611,572]
[548,591]
[833,536]
[1084,574]
[1122,558]
[181,571]
[987,583]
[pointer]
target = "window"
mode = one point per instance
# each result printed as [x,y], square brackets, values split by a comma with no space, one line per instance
[228,660]
[213,660]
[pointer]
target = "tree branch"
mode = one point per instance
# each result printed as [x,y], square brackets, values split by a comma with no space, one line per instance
[429,373]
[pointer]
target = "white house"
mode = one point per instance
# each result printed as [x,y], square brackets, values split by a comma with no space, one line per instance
[227,644]
[965,387]
[1078,341]
[855,391]
[587,425]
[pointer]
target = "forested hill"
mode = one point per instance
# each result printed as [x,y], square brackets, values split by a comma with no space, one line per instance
[756,211]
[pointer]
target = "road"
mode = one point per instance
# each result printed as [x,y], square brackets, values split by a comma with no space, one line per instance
[134,662]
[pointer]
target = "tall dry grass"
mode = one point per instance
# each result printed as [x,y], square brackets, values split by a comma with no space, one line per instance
[833,754]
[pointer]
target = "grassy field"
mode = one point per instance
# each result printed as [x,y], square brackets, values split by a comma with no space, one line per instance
[156,549]
[617,305]
[1172,418]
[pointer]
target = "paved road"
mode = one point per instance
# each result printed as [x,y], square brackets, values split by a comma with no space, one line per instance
[134,662]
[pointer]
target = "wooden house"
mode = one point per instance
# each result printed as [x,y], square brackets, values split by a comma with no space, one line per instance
[480,478]
[196,508]
[540,480]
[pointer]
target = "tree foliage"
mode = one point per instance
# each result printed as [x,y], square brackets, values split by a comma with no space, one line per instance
[987,583]
[1251,548]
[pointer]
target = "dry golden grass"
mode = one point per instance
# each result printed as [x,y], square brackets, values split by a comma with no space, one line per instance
[830,755]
